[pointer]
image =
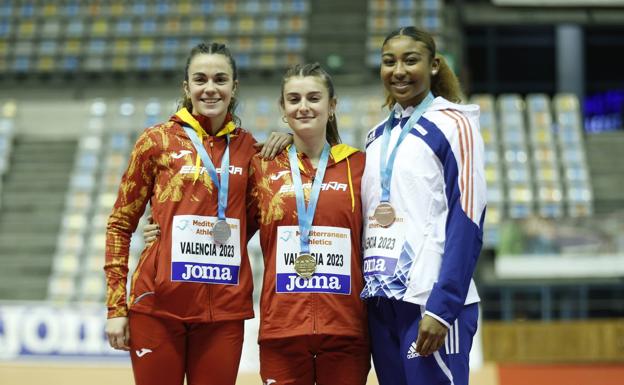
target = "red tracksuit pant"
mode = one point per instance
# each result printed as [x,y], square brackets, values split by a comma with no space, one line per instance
[163,351]
[315,359]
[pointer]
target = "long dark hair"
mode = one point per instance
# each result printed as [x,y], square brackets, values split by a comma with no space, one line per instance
[315,69]
[444,83]
[217,49]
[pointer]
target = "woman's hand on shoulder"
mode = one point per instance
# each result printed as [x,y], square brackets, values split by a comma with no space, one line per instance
[274,144]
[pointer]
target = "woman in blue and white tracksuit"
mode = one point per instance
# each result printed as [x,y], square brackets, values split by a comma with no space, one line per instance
[423,196]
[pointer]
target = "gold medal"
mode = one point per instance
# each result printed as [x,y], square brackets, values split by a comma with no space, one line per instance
[305,264]
[384,214]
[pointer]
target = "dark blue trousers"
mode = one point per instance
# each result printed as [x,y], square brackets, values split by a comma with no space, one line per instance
[393,327]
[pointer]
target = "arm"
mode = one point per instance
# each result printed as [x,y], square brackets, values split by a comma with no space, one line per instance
[134,193]
[465,192]
[151,231]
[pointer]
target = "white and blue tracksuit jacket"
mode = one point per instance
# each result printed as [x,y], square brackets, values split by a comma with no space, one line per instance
[438,184]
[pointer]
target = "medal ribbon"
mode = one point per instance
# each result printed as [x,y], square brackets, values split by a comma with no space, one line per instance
[385,169]
[223,184]
[305,216]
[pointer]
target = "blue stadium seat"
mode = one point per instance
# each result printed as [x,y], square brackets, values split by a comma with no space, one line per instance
[97,46]
[149,26]
[22,64]
[5,28]
[123,27]
[6,9]
[139,8]
[207,7]
[252,7]
[27,10]
[168,62]
[243,60]
[71,8]
[222,25]
[275,6]
[70,63]
[298,6]
[163,8]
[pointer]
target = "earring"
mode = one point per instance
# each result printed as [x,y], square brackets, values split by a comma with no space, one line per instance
[284,119]
[332,117]
[434,73]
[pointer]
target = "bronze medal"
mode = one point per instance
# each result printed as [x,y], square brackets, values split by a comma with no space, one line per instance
[221,232]
[384,214]
[305,264]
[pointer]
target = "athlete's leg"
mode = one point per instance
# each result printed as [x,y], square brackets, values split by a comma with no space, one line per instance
[287,361]
[157,350]
[385,343]
[214,352]
[460,343]
[342,360]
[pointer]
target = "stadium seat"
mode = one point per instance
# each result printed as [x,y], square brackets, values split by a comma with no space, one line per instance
[578,192]
[61,288]
[493,160]
[96,36]
[7,128]
[549,194]
[92,288]
[384,16]
[520,194]
[66,264]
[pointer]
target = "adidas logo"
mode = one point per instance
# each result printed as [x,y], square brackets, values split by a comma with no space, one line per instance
[412,353]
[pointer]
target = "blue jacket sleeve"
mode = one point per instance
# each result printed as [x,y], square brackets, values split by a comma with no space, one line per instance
[465,193]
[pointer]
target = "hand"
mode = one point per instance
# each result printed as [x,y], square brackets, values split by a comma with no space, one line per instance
[151,232]
[118,333]
[431,335]
[275,143]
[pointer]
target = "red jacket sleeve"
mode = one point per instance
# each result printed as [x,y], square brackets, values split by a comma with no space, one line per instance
[135,191]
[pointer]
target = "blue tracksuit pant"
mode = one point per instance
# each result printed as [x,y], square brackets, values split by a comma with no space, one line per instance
[393,327]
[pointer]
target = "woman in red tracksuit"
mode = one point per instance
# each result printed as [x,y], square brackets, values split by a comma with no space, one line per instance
[192,289]
[312,321]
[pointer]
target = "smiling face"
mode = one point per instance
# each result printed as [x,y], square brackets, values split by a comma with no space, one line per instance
[406,70]
[307,105]
[210,85]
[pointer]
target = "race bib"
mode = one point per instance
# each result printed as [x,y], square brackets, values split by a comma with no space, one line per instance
[382,246]
[331,248]
[195,257]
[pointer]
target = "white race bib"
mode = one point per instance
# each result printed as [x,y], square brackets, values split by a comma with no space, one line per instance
[195,257]
[382,245]
[330,246]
